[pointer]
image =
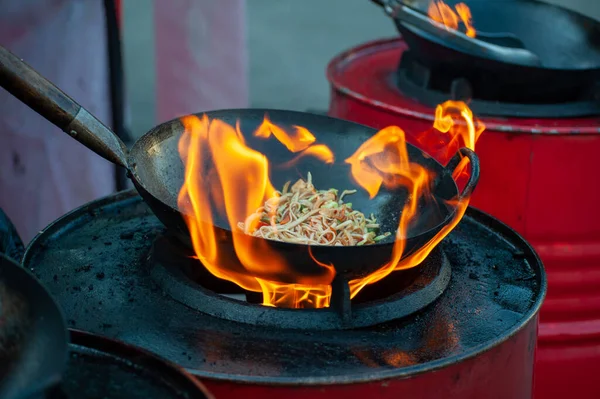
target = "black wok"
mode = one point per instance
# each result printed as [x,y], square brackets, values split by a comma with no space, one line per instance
[33,332]
[565,44]
[100,367]
[157,171]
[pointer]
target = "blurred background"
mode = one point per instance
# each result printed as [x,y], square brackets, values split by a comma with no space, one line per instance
[178,57]
[289,44]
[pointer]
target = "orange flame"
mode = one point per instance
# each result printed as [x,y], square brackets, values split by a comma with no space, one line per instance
[443,13]
[241,187]
[319,151]
[227,180]
[454,127]
[300,140]
[300,295]
[393,167]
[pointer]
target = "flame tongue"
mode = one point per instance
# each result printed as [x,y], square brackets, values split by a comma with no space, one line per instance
[454,127]
[444,14]
[226,181]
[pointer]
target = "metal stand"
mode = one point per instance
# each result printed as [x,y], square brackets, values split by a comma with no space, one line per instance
[116,85]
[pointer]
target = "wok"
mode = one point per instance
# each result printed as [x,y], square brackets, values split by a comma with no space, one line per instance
[33,334]
[100,367]
[157,172]
[560,46]
[35,347]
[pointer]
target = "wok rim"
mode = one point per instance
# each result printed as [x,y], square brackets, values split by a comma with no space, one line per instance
[136,358]
[140,146]
[56,318]
[579,17]
[406,30]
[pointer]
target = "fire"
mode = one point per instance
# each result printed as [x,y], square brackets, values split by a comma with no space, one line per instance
[443,13]
[226,180]
[232,186]
[454,127]
[300,140]
[389,147]
[299,295]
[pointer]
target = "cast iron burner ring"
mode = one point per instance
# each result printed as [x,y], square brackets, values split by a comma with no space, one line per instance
[173,269]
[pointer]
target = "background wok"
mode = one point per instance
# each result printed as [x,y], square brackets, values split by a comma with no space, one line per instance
[33,331]
[566,44]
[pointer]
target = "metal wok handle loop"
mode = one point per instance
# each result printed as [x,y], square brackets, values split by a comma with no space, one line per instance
[473,178]
[23,82]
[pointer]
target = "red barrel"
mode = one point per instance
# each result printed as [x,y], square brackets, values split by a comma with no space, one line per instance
[476,341]
[476,378]
[538,176]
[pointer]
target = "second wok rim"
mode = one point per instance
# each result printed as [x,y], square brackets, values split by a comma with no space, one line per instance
[407,30]
[578,16]
[238,112]
[46,377]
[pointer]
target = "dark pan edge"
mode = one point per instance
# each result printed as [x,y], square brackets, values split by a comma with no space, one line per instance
[138,357]
[57,316]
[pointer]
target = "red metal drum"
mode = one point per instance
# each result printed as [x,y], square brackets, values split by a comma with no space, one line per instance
[476,378]
[109,268]
[538,176]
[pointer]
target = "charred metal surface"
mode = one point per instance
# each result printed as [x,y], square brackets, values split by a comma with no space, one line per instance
[94,261]
[340,301]
[187,281]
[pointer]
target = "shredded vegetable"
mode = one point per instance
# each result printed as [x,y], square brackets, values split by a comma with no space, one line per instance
[303,215]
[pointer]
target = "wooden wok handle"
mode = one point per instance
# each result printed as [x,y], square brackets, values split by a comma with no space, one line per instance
[456,160]
[23,82]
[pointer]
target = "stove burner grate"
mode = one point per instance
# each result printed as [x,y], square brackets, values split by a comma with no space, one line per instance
[397,296]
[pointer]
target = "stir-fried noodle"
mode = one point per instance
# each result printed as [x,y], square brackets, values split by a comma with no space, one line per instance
[305,215]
